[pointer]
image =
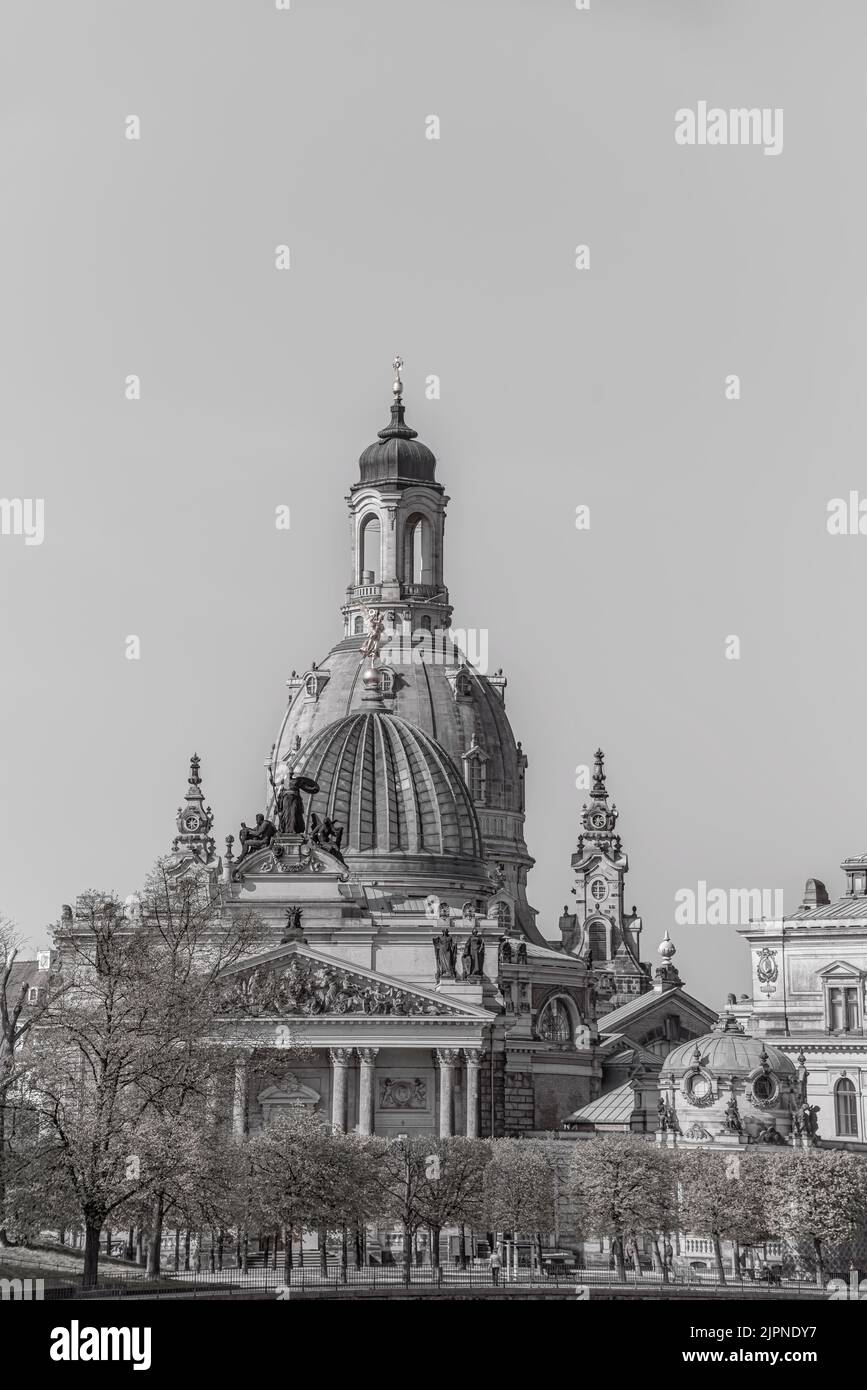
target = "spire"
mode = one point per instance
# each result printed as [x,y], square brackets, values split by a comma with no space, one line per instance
[397,429]
[599,792]
[194,820]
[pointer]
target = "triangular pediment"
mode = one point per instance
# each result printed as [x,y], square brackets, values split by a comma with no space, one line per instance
[840,970]
[296,980]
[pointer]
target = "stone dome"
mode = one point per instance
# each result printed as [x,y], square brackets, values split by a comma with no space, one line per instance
[395,790]
[397,454]
[451,703]
[727,1051]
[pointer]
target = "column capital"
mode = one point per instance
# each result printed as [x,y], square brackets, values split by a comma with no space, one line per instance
[448,1056]
[340,1056]
[368,1055]
[474,1056]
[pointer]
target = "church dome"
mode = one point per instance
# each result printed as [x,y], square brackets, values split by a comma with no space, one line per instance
[727,1051]
[397,454]
[394,789]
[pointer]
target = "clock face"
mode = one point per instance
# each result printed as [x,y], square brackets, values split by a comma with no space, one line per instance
[192,822]
[597,820]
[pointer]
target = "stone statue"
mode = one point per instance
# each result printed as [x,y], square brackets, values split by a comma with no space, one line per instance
[732,1123]
[328,835]
[290,807]
[256,837]
[292,930]
[505,951]
[375,636]
[446,952]
[809,1123]
[667,1117]
[476,944]
[521,953]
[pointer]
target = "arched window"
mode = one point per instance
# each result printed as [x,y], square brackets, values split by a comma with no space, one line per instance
[416,556]
[359,626]
[369,550]
[845,1109]
[425,623]
[555,1025]
[597,936]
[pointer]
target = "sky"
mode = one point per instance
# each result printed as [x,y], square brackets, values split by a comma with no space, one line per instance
[603,387]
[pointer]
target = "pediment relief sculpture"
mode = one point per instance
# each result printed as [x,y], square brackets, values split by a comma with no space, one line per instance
[305,987]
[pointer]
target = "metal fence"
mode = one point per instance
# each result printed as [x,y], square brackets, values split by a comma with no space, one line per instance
[258,1281]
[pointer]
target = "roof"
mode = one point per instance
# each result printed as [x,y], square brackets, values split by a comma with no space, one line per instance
[397,454]
[393,788]
[642,1003]
[726,1052]
[853,908]
[613,1108]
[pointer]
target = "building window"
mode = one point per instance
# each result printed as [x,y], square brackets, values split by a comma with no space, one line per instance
[359,626]
[554,1022]
[417,567]
[599,889]
[597,936]
[843,1012]
[425,623]
[477,789]
[845,1109]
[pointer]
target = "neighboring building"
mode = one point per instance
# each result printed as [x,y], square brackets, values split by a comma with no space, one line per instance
[809,973]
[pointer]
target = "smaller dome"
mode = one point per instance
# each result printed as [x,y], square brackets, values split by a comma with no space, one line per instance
[397,454]
[727,1051]
[666,947]
[394,789]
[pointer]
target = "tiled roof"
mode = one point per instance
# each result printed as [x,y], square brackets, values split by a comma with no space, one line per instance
[612,1108]
[847,909]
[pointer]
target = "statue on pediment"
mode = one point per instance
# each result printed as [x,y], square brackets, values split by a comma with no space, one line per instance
[255,837]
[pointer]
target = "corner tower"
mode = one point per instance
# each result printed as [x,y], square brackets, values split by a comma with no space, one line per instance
[600,931]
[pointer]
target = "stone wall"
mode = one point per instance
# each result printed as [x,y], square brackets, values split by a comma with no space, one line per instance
[499,1096]
[520,1106]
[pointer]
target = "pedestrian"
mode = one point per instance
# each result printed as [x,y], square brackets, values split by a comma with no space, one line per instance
[496,1262]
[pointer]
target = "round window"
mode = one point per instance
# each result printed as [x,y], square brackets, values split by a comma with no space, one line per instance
[599,889]
[764,1088]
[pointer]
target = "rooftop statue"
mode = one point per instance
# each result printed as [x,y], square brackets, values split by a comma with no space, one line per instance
[256,837]
[446,953]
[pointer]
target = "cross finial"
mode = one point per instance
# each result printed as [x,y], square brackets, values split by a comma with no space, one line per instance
[397,387]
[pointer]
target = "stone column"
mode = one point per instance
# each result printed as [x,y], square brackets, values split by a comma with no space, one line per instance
[473,1057]
[240,1124]
[339,1062]
[447,1058]
[367,1056]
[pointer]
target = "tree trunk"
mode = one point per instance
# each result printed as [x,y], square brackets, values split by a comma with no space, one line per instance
[198,1261]
[156,1241]
[718,1259]
[539,1250]
[130,1243]
[211,1261]
[61,1237]
[617,1251]
[359,1246]
[186,1252]
[139,1246]
[407,1255]
[820,1262]
[108,1243]
[344,1252]
[245,1251]
[287,1254]
[177,1248]
[658,1262]
[462,1246]
[274,1256]
[221,1236]
[4,1237]
[323,1252]
[91,1255]
[434,1246]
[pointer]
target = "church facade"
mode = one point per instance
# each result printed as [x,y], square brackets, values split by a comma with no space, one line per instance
[403,986]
